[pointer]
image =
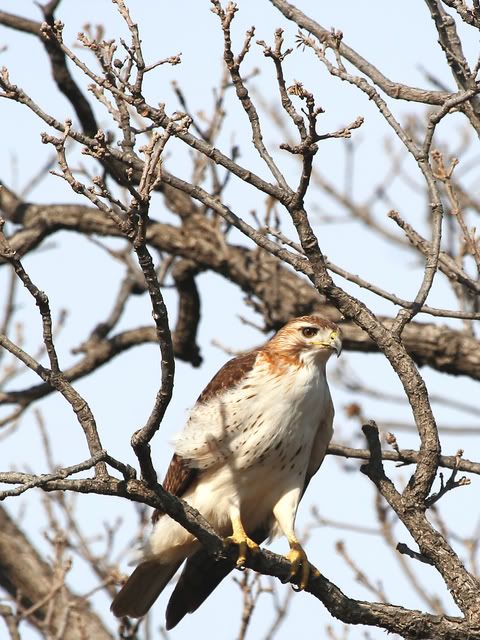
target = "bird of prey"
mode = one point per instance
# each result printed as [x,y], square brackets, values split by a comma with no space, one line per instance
[254,439]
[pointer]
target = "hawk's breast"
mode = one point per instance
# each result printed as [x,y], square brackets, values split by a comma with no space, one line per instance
[268,418]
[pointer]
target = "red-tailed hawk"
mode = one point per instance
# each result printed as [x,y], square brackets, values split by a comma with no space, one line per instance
[255,437]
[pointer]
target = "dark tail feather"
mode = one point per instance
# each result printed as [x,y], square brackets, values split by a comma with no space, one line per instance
[200,576]
[142,588]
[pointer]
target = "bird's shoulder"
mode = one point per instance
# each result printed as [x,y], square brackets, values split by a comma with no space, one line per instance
[229,376]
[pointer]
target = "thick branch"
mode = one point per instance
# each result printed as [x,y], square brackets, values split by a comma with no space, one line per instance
[463,586]
[25,575]
[188,316]
[439,347]
[393,618]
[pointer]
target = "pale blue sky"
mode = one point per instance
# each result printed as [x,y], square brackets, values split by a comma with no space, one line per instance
[398,38]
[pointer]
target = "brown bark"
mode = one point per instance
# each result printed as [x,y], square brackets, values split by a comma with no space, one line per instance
[253,270]
[31,580]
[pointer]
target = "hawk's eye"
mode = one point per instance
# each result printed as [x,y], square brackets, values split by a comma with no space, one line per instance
[309,332]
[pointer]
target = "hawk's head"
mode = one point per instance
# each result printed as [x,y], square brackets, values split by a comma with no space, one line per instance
[307,339]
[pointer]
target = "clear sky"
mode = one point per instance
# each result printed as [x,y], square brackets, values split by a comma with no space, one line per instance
[397,37]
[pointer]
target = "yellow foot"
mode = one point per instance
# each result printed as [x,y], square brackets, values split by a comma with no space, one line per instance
[245,545]
[301,568]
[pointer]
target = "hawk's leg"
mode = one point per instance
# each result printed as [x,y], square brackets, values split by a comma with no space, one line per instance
[285,511]
[240,538]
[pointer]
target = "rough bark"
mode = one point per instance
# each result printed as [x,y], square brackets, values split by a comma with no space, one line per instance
[31,580]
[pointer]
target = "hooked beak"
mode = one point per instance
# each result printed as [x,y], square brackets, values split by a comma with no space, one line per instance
[336,342]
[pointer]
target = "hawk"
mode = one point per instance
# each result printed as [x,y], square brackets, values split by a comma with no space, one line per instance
[254,439]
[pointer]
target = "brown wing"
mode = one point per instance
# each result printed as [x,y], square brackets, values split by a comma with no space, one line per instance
[320,445]
[178,478]
[180,475]
[229,375]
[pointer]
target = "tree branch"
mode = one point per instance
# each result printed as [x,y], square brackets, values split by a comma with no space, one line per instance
[28,578]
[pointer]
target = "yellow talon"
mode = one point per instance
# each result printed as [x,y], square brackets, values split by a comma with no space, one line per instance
[301,567]
[314,572]
[245,544]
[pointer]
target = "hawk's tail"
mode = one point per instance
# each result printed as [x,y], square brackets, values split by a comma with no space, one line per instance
[142,588]
[200,576]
